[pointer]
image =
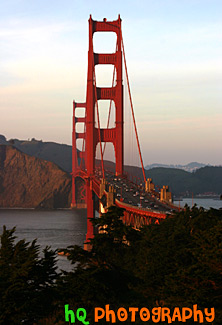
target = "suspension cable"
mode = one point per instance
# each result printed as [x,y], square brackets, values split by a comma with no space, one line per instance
[110,103]
[131,104]
[83,146]
[97,111]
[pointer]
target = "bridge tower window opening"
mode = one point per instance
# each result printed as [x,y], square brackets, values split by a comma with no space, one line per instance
[105,75]
[80,112]
[104,42]
[107,114]
[80,127]
[80,144]
[109,156]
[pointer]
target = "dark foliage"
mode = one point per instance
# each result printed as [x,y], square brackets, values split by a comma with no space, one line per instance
[26,280]
[101,275]
[175,264]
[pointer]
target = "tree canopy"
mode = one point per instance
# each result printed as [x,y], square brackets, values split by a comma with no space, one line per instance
[174,264]
[177,263]
[27,281]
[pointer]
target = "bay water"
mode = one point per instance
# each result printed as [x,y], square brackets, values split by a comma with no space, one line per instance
[62,228]
[55,228]
[206,203]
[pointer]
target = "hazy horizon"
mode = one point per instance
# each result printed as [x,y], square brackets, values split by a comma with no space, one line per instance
[145,164]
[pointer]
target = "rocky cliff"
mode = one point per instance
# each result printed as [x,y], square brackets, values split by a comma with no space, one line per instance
[30,182]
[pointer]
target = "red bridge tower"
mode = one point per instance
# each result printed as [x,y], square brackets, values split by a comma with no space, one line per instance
[83,164]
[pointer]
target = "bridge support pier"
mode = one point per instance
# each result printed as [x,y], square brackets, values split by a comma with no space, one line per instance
[110,197]
[149,186]
[165,194]
[102,187]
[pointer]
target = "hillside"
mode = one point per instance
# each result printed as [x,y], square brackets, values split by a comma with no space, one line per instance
[30,182]
[206,179]
[60,154]
[211,178]
[191,167]
[181,182]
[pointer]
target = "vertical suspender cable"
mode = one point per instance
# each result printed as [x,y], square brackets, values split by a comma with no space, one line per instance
[97,111]
[83,145]
[131,104]
[110,104]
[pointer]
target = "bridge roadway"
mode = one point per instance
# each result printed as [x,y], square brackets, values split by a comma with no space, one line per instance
[134,195]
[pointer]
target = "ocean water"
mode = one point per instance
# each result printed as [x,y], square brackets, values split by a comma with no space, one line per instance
[55,228]
[201,202]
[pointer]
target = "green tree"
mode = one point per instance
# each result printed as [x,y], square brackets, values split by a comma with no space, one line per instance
[180,259]
[174,264]
[102,276]
[27,282]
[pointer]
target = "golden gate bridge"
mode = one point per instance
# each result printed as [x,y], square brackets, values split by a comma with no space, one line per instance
[98,187]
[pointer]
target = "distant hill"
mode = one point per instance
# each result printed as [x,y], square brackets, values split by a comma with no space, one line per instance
[3,139]
[60,154]
[189,167]
[30,182]
[203,178]
[202,181]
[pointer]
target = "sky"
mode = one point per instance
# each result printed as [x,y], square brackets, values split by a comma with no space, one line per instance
[174,60]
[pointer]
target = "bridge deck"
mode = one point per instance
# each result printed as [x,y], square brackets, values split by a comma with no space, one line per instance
[133,197]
